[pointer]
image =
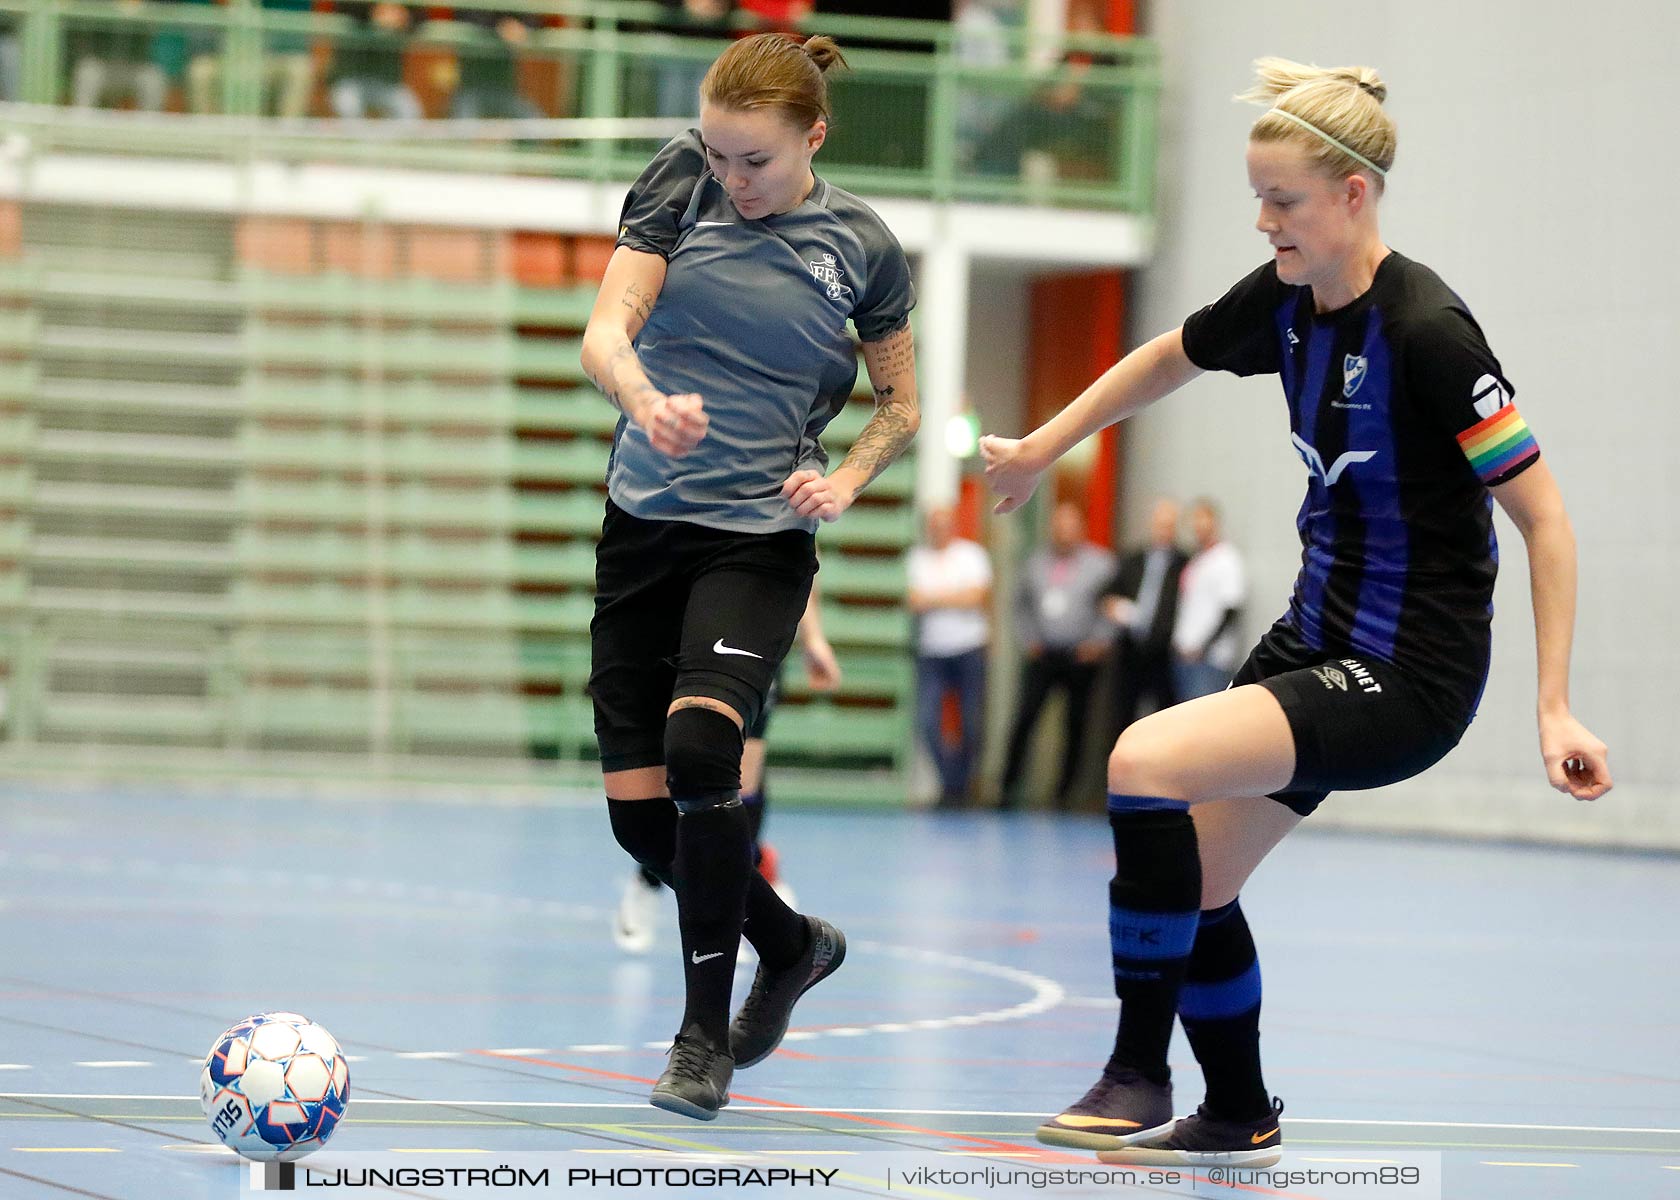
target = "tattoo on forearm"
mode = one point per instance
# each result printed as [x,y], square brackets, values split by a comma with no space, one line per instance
[893,426]
[612,383]
[883,439]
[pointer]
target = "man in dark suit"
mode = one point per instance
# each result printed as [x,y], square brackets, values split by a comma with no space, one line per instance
[1142,599]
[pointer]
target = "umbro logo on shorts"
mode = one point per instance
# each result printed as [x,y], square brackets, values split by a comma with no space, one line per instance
[1330,677]
[1336,678]
[719,648]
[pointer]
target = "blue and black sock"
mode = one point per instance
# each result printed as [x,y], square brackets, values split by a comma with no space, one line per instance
[1220,1010]
[1153,903]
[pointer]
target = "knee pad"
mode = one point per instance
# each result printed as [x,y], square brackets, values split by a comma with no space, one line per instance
[702,759]
[647,830]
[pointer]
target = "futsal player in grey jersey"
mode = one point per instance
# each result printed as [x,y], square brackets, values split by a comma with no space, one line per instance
[720,334]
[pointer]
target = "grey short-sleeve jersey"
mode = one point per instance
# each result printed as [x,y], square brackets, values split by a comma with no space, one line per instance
[752,317]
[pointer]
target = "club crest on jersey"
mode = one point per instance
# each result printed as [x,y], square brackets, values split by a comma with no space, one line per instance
[826,272]
[1354,368]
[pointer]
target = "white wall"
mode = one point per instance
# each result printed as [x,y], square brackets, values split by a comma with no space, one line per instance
[1537,173]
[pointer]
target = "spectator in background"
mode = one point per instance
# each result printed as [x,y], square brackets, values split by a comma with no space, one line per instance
[1142,600]
[902,10]
[950,593]
[114,63]
[368,65]
[1206,649]
[677,80]
[1066,118]
[1059,622]
[489,83]
[982,40]
[288,70]
[11,57]
[777,14]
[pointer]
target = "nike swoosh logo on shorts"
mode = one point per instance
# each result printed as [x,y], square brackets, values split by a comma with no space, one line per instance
[700,958]
[703,224]
[719,648]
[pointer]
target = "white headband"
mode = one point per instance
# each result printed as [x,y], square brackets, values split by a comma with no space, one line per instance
[1311,128]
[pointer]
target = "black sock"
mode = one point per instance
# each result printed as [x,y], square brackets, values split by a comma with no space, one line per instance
[711,876]
[1220,1010]
[775,930]
[1154,900]
[753,802]
[648,830]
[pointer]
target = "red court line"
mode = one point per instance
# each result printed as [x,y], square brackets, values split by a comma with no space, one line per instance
[1010,1148]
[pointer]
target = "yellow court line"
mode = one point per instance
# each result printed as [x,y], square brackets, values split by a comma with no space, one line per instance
[666,1139]
[1485,1163]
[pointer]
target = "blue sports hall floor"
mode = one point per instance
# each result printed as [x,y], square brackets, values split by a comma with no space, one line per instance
[1504,1019]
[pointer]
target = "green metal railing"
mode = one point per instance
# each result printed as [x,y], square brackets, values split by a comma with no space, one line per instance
[921,113]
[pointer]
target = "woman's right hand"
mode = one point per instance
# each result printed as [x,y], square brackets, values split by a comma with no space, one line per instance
[1011,470]
[674,424]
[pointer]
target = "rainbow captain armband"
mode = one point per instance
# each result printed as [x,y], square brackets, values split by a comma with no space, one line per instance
[1498,445]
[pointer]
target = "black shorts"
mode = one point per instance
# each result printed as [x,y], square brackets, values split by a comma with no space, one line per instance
[1358,722]
[685,610]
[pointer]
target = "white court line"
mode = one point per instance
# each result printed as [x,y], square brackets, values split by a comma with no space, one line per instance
[641,1106]
[112,1062]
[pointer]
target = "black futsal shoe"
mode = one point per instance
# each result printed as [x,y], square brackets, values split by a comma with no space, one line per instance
[763,1020]
[696,1083]
[1121,1108]
[1207,1141]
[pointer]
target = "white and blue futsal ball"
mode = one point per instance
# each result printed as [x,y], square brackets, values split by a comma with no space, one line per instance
[274,1086]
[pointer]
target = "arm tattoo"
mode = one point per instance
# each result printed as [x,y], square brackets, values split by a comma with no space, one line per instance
[889,431]
[892,372]
[611,386]
[640,304]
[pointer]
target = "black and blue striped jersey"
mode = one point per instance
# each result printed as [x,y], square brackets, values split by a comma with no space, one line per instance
[1404,419]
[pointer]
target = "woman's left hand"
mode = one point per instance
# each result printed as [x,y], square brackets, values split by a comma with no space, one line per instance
[822,668]
[1576,761]
[813,494]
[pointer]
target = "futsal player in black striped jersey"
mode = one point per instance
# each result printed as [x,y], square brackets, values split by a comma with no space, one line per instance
[1405,422]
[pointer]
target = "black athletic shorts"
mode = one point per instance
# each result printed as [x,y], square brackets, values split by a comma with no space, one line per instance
[685,610]
[1358,722]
